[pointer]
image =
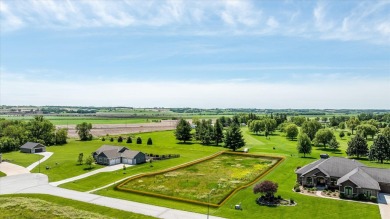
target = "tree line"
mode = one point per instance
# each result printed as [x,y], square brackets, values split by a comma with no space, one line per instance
[15,133]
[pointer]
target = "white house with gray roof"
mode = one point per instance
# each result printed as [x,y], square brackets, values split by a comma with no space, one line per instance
[111,155]
[349,176]
[32,147]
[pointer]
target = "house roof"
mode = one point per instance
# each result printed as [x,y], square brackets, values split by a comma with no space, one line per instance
[112,152]
[379,174]
[360,179]
[110,147]
[333,166]
[31,145]
[130,154]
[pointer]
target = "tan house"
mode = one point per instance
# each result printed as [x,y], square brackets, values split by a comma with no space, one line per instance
[350,177]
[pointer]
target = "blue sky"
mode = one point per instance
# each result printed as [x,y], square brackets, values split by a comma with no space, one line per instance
[263,54]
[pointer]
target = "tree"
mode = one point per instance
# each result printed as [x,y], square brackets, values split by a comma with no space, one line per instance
[41,130]
[267,188]
[120,139]
[298,120]
[150,142]
[205,132]
[292,131]
[112,139]
[357,146]
[83,130]
[233,138]
[324,136]
[80,159]
[257,126]
[139,140]
[352,123]
[304,144]
[129,140]
[61,136]
[342,125]
[218,132]
[333,144]
[380,150]
[183,131]
[342,134]
[89,161]
[310,128]
[386,132]
[366,129]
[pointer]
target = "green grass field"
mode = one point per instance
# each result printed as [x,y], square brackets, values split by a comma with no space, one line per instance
[22,159]
[34,206]
[194,182]
[2,174]
[164,143]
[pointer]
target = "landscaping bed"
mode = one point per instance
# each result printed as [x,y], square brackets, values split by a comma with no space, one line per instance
[210,181]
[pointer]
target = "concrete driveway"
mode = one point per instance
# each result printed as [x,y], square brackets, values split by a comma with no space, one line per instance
[11,169]
[384,205]
[46,155]
[38,183]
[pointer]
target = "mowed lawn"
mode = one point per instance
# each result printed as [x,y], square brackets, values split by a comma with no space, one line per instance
[63,164]
[22,159]
[284,175]
[2,174]
[37,206]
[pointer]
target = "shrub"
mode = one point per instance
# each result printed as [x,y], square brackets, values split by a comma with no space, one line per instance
[341,195]
[139,140]
[103,139]
[111,139]
[292,201]
[361,196]
[150,142]
[120,139]
[373,199]
[129,140]
[348,133]
[267,188]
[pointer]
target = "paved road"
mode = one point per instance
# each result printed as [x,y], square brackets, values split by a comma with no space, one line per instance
[38,183]
[11,169]
[46,155]
[101,170]
[384,205]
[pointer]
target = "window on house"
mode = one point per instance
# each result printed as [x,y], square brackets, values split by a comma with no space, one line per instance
[333,181]
[309,180]
[367,193]
[348,190]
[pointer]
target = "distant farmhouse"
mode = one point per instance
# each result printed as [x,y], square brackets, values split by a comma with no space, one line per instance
[350,177]
[111,155]
[31,147]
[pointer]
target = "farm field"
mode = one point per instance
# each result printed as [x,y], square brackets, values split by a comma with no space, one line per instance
[210,181]
[74,120]
[35,206]
[22,159]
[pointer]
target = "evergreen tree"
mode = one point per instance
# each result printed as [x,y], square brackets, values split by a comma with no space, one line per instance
[304,144]
[218,132]
[342,134]
[183,131]
[80,158]
[120,139]
[380,150]
[139,140]
[129,140]
[150,142]
[333,144]
[357,146]
[233,138]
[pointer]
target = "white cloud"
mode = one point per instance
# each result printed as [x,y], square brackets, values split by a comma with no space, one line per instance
[272,22]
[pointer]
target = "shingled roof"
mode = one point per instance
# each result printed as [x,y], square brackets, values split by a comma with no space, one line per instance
[112,152]
[333,166]
[360,179]
[31,145]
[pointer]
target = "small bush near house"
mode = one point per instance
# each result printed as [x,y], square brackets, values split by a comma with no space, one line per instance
[150,142]
[111,139]
[373,199]
[139,140]
[129,140]
[120,139]
[103,139]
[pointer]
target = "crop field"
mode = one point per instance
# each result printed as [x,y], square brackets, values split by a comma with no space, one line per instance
[209,181]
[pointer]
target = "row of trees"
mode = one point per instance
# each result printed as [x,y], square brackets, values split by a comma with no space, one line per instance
[14,133]
[207,133]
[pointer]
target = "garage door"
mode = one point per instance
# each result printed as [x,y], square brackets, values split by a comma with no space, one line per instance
[38,150]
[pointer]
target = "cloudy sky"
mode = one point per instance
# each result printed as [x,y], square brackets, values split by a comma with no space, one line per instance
[207,53]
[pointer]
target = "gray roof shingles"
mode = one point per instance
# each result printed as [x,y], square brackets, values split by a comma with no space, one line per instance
[112,152]
[31,145]
[360,178]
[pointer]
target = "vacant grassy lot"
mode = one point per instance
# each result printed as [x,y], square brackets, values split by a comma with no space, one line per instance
[2,174]
[22,159]
[46,206]
[283,174]
[195,182]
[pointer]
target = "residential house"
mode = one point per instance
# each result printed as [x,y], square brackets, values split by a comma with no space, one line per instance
[31,147]
[111,155]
